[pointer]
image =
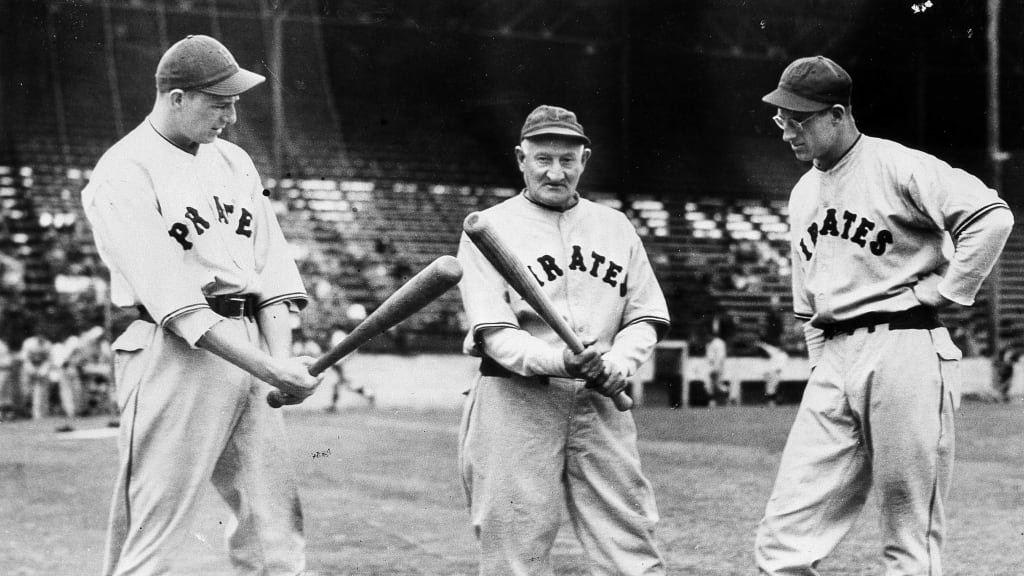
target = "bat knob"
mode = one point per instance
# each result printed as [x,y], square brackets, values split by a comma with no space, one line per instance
[274,399]
[472,223]
[622,401]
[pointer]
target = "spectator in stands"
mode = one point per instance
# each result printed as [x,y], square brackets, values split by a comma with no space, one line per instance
[1003,371]
[183,222]
[95,370]
[9,396]
[871,222]
[716,354]
[777,359]
[354,314]
[37,373]
[66,358]
[540,432]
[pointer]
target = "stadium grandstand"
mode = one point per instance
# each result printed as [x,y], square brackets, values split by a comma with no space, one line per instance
[384,123]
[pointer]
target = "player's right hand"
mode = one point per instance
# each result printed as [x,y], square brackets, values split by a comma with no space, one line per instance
[291,376]
[587,365]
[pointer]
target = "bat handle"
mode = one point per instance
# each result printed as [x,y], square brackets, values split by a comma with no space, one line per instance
[622,401]
[275,397]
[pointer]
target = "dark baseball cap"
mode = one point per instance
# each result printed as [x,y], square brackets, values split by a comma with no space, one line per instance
[552,121]
[201,63]
[811,84]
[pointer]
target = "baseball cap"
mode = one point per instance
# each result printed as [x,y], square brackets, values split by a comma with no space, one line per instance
[201,63]
[811,84]
[552,121]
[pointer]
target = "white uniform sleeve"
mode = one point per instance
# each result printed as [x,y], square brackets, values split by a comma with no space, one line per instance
[645,302]
[129,230]
[973,214]
[977,248]
[801,304]
[279,276]
[493,327]
[632,347]
[518,351]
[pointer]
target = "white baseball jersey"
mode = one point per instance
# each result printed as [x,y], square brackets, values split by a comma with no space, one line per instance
[589,260]
[878,409]
[528,429]
[174,228]
[868,229]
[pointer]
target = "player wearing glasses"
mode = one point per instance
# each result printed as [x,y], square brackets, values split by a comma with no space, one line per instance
[882,237]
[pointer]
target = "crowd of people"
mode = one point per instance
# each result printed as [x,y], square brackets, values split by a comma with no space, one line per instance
[66,378]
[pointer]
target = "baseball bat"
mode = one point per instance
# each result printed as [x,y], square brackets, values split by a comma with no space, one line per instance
[422,289]
[515,273]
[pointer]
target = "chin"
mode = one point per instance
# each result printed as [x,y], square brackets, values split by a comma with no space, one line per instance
[803,155]
[555,198]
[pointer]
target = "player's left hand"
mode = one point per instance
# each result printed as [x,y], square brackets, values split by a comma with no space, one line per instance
[610,382]
[927,292]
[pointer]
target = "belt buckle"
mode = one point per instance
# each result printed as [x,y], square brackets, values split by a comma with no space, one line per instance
[239,303]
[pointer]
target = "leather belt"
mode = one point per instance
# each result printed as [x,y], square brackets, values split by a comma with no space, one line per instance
[916,318]
[231,306]
[489,367]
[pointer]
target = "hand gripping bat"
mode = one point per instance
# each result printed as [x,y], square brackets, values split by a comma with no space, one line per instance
[422,289]
[515,273]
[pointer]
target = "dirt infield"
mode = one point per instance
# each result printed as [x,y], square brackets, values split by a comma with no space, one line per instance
[382,496]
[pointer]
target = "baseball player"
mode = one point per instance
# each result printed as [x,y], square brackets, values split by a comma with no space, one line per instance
[190,237]
[870,221]
[716,355]
[539,430]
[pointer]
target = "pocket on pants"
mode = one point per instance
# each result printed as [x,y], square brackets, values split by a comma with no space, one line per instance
[949,364]
[129,358]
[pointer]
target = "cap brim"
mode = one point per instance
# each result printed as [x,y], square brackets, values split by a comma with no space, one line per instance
[558,132]
[787,100]
[235,84]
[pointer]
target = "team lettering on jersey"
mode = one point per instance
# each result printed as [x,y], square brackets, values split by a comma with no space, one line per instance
[594,264]
[181,230]
[850,226]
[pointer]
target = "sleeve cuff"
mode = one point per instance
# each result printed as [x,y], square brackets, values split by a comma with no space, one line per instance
[191,326]
[963,298]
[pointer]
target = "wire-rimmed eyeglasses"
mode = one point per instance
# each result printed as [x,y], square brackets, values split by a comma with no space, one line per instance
[792,123]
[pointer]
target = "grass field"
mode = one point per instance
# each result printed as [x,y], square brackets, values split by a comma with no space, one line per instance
[382,495]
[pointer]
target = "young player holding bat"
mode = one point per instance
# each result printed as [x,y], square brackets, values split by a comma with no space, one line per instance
[540,430]
[180,218]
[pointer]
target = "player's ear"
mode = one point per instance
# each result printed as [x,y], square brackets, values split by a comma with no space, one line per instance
[176,97]
[520,157]
[585,157]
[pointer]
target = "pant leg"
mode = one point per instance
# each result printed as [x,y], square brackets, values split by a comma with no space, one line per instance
[913,399]
[180,406]
[512,455]
[610,501]
[256,478]
[823,480]
[70,390]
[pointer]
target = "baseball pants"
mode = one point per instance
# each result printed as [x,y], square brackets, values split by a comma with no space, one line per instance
[531,447]
[189,417]
[878,410]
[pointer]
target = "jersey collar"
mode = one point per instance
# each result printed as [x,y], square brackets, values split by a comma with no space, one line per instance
[551,208]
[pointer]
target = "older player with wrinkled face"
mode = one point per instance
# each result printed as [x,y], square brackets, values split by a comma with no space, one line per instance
[551,169]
